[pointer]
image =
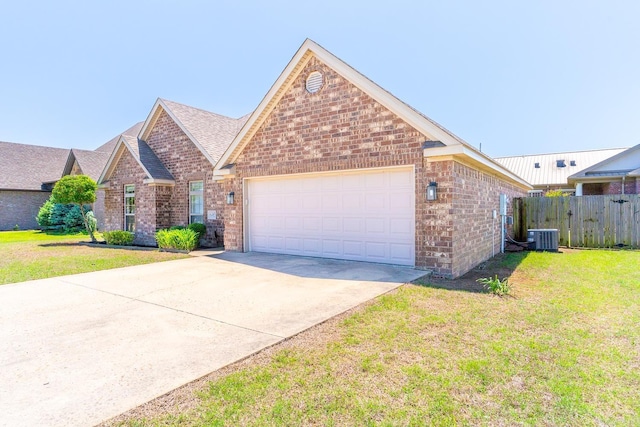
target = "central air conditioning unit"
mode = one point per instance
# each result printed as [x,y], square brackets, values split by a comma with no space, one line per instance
[543,239]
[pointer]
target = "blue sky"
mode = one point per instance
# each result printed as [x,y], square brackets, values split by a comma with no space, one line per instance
[518,78]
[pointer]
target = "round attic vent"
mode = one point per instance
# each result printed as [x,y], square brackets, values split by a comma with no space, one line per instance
[314,82]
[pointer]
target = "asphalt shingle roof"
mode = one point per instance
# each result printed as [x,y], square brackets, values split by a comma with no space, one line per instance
[26,167]
[111,144]
[91,162]
[212,131]
[145,155]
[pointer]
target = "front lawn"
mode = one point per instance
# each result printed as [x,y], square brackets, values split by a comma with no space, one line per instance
[28,255]
[564,349]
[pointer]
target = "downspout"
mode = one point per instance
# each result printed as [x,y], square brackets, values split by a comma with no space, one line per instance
[622,191]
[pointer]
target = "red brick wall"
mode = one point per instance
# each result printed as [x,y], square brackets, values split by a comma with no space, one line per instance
[631,186]
[342,128]
[476,235]
[186,163]
[128,171]
[20,208]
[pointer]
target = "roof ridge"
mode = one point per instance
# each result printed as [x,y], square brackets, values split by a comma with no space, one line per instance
[199,109]
[562,152]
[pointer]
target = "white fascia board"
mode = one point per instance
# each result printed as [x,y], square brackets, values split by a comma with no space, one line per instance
[154,181]
[225,171]
[461,150]
[113,160]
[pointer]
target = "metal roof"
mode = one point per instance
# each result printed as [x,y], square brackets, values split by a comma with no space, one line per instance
[548,171]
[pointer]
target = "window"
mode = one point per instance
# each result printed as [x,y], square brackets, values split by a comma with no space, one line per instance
[130,208]
[196,202]
[560,163]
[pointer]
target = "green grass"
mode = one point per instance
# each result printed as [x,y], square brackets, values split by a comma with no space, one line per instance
[28,255]
[564,349]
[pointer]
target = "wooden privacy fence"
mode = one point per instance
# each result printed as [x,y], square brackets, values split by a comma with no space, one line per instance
[584,221]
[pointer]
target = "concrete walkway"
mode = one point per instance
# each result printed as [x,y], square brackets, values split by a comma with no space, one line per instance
[80,349]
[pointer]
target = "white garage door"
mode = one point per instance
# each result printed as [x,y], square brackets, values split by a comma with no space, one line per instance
[363,216]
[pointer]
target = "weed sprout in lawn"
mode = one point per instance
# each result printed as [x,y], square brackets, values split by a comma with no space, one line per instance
[495,285]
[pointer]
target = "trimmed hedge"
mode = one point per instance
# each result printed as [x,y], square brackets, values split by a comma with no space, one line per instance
[118,237]
[199,228]
[184,239]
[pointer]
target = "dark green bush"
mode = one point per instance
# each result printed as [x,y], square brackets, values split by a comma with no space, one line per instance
[177,227]
[61,217]
[73,220]
[118,237]
[183,239]
[199,228]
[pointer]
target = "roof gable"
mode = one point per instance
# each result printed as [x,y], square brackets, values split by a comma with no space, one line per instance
[626,162]
[27,167]
[145,157]
[91,163]
[421,123]
[211,133]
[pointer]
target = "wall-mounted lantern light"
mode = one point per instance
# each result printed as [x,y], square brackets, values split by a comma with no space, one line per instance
[432,192]
[230,198]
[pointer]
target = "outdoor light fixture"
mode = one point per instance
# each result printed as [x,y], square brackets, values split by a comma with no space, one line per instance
[432,193]
[230,198]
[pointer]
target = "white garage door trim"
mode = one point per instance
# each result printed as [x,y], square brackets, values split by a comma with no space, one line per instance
[363,215]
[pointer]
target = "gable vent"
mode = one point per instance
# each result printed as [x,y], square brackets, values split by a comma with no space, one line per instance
[314,82]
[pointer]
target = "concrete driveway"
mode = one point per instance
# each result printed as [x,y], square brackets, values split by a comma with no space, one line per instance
[80,349]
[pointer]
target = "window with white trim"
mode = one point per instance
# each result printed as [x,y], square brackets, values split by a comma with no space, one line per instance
[130,207]
[196,202]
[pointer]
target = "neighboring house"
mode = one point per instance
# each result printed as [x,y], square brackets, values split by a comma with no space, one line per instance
[619,174]
[29,172]
[24,172]
[329,165]
[552,171]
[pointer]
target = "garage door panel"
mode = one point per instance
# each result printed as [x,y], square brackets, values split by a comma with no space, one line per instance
[365,215]
[331,224]
[332,247]
[374,225]
[401,226]
[353,248]
[312,246]
[376,250]
[399,251]
[293,244]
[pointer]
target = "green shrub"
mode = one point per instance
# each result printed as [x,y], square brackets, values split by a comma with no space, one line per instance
[72,220]
[183,239]
[44,214]
[199,228]
[16,227]
[93,222]
[495,285]
[118,237]
[61,217]
[177,227]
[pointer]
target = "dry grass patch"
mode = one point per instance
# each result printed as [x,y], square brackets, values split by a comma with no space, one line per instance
[29,255]
[564,349]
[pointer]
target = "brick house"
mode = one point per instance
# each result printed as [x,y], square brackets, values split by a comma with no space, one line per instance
[328,165]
